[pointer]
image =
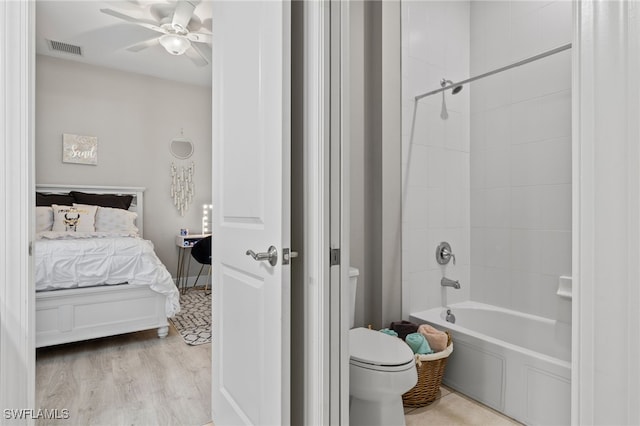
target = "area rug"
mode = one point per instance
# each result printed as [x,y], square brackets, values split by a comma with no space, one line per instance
[193,322]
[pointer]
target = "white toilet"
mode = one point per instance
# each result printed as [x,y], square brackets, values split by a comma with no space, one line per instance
[381,369]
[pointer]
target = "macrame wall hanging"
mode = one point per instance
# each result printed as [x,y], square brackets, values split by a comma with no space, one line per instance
[182,186]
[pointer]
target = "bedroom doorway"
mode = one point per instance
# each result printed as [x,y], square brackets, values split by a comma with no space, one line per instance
[17,358]
[134,97]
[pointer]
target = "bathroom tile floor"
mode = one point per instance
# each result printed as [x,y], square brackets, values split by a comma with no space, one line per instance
[455,409]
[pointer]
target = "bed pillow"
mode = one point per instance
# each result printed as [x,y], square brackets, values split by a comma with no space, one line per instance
[46,200]
[103,200]
[115,221]
[44,218]
[74,219]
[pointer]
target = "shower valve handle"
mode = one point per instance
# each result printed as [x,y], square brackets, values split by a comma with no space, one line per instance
[447,254]
[444,254]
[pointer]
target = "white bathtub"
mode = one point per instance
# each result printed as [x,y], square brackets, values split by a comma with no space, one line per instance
[516,363]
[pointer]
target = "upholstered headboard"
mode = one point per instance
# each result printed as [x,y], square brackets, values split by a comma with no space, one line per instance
[137,204]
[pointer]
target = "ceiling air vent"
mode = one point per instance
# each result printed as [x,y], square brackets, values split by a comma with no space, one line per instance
[59,46]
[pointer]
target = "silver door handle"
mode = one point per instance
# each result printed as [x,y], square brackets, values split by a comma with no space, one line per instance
[271,255]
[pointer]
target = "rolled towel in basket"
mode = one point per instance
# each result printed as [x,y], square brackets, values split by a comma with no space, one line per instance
[418,344]
[389,332]
[403,328]
[437,339]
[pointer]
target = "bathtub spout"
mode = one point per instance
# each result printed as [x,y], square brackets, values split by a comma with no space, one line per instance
[446,282]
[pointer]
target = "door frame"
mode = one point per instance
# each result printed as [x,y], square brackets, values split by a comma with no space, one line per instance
[17,305]
[326,207]
[17,183]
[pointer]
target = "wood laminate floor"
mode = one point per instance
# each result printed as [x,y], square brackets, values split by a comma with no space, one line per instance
[132,379]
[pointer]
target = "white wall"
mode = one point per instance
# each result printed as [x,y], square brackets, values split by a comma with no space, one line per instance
[134,118]
[375,218]
[435,152]
[521,156]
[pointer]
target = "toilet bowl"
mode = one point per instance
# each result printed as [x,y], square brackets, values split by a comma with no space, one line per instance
[381,369]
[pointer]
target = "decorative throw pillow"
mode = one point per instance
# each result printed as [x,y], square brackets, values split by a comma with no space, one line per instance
[77,218]
[115,220]
[103,200]
[48,200]
[44,219]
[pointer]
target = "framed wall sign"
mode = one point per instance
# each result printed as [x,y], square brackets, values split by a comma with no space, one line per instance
[79,149]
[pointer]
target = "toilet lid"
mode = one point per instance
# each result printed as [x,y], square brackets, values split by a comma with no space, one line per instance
[376,348]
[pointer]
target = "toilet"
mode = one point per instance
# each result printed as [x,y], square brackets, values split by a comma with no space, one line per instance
[381,369]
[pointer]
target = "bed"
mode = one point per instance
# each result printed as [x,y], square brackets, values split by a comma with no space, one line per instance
[97,279]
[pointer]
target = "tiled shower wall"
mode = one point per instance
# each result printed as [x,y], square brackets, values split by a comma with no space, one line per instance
[521,156]
[436,191]
[494,180]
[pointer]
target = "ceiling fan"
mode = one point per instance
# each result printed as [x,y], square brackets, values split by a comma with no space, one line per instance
[178,37]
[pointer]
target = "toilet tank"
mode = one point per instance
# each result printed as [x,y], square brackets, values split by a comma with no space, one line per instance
[353,284]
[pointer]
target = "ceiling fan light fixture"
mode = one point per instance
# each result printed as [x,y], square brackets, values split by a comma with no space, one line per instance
[175,44]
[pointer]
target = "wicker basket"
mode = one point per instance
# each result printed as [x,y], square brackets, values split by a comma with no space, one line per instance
[430,371]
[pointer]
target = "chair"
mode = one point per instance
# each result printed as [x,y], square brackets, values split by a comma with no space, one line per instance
[201,252]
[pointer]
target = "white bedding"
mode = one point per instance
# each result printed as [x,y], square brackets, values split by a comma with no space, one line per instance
[62,261]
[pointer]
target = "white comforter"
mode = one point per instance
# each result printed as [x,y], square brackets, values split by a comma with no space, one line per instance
[64,262]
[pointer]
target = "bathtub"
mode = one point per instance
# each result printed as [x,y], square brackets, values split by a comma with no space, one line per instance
[516,363]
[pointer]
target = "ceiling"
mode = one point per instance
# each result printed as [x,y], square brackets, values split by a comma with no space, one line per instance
[104,39]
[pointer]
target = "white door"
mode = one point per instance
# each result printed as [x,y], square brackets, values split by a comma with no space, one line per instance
[251,174]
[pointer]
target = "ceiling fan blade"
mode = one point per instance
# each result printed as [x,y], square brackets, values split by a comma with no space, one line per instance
[143,45]
[200,37]
[182,15]
[196,55]
[142,22]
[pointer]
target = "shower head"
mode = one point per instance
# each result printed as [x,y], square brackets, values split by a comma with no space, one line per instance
[455,90]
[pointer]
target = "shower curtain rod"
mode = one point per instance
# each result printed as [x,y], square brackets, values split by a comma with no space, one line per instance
[497,70]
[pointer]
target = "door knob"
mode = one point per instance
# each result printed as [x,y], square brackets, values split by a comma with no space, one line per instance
[271,255]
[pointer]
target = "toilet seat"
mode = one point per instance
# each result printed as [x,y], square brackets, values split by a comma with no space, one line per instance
[374,350]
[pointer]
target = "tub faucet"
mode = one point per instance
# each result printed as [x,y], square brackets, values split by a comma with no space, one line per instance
[446,282]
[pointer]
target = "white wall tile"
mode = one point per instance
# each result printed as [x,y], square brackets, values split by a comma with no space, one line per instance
[417,207]
[555,115]
[497,286]
[556,19]
[555,207]
[456,131]
[455,200]
[521,7]
[436,208]
[477,248]
[526,82]
[526,211]
[478,287]
[478,208]
[477,130]
[497,88]
[418,240]
[541,163]
[498,128]
[498,247]
[498,208]
[417,166]
[436,167]
[526,121]
[525,291]
[556,253]
[554,73]
[419,297]
[526,250]
[478,169]
[498,168]
[525,36]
